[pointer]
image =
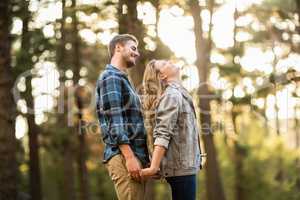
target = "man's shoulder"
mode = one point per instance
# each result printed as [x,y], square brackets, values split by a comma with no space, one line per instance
[109,74]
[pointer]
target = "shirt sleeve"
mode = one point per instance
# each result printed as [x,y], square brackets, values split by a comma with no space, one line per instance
[166,119]
[111,109]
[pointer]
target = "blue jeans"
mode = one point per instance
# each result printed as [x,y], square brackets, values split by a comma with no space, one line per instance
[183,187]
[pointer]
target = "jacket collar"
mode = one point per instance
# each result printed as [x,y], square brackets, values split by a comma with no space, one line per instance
[174,84]
[186,95]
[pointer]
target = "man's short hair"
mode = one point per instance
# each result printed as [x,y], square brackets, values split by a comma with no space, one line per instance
[119,39]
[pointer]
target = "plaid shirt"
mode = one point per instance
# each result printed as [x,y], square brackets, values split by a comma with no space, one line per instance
[120,116]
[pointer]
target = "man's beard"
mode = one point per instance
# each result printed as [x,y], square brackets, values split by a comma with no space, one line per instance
[129,63]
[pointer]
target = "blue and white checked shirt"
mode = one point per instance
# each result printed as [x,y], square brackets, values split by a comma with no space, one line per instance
[120,115]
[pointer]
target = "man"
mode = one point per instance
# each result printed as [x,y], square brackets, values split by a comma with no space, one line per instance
[121,120]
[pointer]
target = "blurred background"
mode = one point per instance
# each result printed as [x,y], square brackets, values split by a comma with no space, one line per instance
[240,59]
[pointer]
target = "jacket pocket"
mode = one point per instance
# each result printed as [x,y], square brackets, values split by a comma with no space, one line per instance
[188,137]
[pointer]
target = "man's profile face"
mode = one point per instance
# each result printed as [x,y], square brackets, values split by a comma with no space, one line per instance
[130,53]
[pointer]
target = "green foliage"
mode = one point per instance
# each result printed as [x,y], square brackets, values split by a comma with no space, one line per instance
[265,156]
[283,5]
[230,70]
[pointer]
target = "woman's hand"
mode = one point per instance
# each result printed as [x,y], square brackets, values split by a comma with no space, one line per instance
[150,172]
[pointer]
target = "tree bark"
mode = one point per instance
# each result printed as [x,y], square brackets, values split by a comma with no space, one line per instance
[33,130]
[34,162]
[238,160]
[8,164]
[237,151]
[68,160]
[203,46]
[68,191]
[82,151]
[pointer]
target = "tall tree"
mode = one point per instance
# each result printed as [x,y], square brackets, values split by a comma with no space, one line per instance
[67,147]
[8,165]
[79,127]
[24,62]
[203,46]
[237,147]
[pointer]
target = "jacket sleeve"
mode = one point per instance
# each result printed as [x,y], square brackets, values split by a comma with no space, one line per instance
[110,109]
[166,119]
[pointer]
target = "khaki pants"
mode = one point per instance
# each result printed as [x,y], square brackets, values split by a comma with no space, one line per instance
[126,188]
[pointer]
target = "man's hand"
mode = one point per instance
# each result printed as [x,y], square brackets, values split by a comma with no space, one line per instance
[132,163]
[133,166]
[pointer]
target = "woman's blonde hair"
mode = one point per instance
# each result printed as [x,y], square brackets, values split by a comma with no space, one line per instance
[153,88]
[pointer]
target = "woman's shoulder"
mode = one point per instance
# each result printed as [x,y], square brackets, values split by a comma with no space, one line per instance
[172,89]
[171,93]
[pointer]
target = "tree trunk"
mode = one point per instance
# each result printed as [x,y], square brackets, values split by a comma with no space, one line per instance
[82,152]
[237,150]
[203,46]
[26,64]
[129,23]
[298,12]
[68,160]
[266,120]
[68,191]
[277,122]
[238,160]
[8,165]
[297,122]
[297,125]
[276,108]
[34,164]
[61,50]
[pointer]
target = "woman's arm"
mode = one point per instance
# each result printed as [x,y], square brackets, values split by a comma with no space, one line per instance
[166,120]
[158,154]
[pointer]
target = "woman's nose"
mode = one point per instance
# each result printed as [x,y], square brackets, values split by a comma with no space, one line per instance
[137,54]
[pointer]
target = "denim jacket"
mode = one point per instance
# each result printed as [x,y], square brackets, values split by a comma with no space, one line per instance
[176,130]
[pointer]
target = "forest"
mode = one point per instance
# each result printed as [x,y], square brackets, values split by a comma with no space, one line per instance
[239,59]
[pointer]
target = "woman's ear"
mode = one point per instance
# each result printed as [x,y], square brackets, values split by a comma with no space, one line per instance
[162,76]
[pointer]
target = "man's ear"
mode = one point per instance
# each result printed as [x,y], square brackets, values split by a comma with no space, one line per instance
[118,48]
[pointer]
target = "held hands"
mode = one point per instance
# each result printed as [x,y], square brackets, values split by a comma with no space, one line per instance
[137,173]
[133,167]
[151,172]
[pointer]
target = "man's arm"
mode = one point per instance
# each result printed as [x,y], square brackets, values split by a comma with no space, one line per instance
[110,90]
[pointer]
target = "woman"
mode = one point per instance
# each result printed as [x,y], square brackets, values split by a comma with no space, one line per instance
[176,154]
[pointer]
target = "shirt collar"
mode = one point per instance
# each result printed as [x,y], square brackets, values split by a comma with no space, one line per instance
[116,70]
